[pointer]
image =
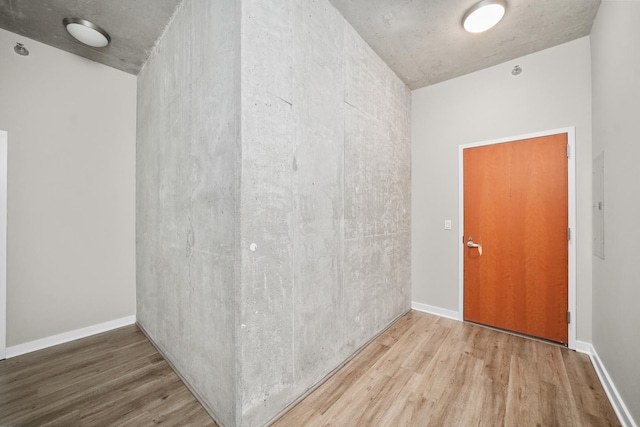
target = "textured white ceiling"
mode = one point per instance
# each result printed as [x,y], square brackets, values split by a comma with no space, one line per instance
[424,43]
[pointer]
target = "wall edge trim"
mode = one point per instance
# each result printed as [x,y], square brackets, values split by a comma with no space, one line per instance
[624,416]
[438,311]
[42,343]
[584,347]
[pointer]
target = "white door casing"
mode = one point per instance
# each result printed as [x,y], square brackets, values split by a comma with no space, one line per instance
[3,244]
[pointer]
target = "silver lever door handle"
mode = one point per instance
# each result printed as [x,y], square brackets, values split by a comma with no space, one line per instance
[470,243]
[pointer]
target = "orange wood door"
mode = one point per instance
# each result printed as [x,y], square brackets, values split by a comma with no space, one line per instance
[516,208]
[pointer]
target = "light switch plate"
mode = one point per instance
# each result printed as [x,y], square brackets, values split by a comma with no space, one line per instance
[447,224]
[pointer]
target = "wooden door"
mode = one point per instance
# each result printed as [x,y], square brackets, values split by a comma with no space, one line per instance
[516,208]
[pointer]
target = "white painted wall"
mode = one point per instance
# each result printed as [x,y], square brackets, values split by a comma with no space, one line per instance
[616,280]
[553,91]
[71,192]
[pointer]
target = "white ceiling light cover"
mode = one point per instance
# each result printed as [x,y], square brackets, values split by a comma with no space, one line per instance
[484,15]
[87,32]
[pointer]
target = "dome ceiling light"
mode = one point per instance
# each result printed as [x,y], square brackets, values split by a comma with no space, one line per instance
[484,15]
[87,32]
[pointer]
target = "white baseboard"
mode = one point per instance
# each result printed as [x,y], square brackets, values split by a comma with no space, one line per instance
[624,416]
[442,312]
[28,347]
[584,347]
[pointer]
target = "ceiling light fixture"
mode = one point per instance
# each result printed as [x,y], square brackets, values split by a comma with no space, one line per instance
[484,15]
[87,32]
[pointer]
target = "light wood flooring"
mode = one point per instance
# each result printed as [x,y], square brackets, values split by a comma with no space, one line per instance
[423,371]
[112,379]
[430,371]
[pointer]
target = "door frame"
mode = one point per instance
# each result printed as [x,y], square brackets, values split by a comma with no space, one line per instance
[571,178]
[3,243]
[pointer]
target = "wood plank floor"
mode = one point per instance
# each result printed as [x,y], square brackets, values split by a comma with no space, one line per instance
[423,371]
[430,371]
[112,379]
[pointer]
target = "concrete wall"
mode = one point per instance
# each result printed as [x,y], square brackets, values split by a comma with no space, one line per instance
[553,91]
[616,279]
[188,189]
[325,197]
[71,192]
[320,185]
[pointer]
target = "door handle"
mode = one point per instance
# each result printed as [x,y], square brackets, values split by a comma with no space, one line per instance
[470,244]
